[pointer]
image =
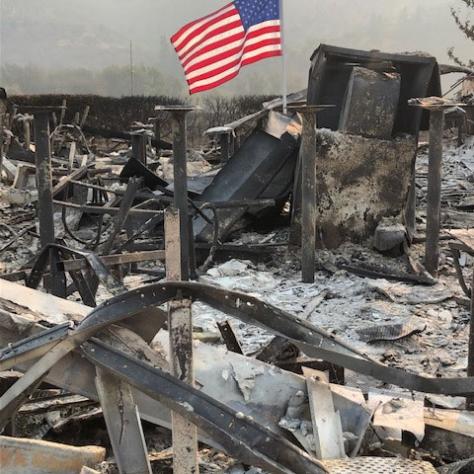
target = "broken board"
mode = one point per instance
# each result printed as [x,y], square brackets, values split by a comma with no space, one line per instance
[327,428]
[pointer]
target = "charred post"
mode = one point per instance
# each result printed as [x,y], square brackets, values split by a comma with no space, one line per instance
[178,116]
[434,191]
[308,157]
[139,146]
[56,282]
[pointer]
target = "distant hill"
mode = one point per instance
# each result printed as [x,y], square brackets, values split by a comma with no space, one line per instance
[59,35]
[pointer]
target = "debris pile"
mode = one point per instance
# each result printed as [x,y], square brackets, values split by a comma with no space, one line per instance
[153,316]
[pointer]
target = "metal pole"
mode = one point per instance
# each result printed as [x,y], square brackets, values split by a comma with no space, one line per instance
[181,187]
[434,191]
[178,120]
[178,241]
[132,85]
[55,283]
[283,59]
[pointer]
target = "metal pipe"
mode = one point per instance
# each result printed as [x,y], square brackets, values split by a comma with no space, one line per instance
[434,191]
[181,187]
[178,120]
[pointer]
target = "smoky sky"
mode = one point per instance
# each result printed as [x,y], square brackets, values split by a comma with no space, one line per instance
[93,34]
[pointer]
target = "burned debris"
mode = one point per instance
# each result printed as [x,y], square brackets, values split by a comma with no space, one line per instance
[290,294]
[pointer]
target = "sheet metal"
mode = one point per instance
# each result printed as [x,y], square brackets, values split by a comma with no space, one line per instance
[313,341]
[239,435]
[260,163]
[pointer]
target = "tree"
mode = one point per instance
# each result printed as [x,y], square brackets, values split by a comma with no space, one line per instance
[467,27]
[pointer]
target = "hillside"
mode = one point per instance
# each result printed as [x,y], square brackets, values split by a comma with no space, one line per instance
[91,35]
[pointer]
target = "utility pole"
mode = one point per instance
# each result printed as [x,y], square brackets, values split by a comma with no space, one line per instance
[131,70]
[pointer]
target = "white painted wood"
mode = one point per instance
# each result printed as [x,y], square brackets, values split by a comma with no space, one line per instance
[327,427]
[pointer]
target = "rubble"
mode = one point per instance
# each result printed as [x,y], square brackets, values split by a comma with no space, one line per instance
[145,286]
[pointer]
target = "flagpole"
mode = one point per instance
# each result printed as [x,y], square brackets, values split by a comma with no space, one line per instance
[283,59]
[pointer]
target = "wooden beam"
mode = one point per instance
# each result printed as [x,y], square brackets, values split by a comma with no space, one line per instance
[64,181]
[106,210]
[111,260]
[185,459]
[123,424]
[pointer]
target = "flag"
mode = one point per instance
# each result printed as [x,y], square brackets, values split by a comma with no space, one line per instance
[213,49]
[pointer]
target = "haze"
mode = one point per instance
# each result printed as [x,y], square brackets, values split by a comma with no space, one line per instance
[65,45]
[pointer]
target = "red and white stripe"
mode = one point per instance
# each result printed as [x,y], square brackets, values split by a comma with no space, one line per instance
[214,48]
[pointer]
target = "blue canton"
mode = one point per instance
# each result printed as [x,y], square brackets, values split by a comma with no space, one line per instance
[254,12]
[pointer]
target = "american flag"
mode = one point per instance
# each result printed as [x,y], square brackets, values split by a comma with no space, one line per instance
[214,48]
